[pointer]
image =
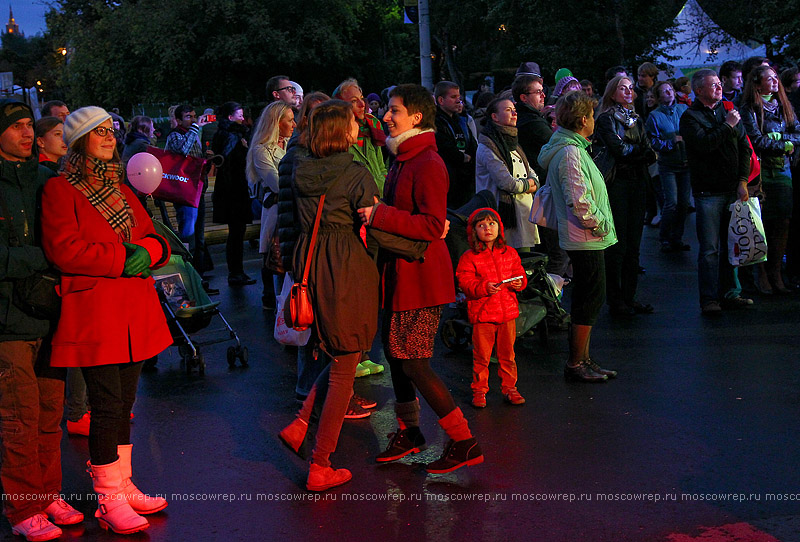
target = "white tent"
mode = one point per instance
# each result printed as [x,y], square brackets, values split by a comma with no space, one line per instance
[700,43]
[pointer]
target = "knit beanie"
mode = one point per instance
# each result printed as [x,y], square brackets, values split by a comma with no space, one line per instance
[372,97]
[472,219]
[559,90]
[563,72]
[12,111]
[81,122]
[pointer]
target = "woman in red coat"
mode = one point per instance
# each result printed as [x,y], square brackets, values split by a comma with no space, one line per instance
[98,235]
[414,291]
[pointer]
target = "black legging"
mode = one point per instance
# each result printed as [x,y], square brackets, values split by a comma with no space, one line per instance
[112,391]
[408,375]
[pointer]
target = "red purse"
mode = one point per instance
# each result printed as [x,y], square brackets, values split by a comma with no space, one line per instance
[182,180]
[298,312]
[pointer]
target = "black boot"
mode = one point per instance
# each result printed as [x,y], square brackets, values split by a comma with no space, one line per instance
[405,441]
[458,454]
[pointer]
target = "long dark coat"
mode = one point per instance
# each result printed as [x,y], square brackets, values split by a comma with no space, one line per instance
[231,195]
[343,278]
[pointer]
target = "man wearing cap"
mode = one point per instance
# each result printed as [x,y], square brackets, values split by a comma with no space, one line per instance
[31,392]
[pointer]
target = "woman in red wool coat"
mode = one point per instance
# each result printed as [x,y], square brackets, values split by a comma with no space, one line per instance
[95,231]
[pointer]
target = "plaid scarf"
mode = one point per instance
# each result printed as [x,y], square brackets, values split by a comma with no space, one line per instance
[100,182]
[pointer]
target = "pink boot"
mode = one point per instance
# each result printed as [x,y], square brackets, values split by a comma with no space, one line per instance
[141,503]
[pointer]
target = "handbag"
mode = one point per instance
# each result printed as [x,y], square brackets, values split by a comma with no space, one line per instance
[182,179]
[36,294]
[299,314]
[605,162]
[746,241]
[283,333]
[543,210]
[506,210]
[274,258]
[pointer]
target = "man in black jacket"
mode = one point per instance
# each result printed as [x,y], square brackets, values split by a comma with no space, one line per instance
[31,392]
[456,144]
[719,166]
[533,131]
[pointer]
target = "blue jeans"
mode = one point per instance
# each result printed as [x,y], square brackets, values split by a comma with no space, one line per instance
[716,276]
[187,217]
[677,190]
[191,230]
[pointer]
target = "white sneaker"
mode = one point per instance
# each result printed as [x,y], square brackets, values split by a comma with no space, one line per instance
[36,529]
[61,513]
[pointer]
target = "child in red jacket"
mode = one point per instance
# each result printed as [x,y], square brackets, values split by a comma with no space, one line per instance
[489,274]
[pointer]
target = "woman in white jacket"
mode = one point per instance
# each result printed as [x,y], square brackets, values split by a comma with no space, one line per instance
[273,130]
[502,168]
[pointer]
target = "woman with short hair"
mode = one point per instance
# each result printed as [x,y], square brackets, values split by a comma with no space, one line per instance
[585,225]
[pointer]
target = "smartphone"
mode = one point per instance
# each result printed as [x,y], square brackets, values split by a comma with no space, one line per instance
[211,118]
[512,279]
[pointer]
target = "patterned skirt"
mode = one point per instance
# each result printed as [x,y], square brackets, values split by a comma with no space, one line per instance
[410,334]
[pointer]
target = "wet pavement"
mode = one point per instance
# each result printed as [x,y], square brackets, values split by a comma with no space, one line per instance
[696,439]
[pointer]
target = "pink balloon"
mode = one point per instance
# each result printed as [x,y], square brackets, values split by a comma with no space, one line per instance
[144,172]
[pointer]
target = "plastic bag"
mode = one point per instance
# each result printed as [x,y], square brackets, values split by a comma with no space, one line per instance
[747,244]
[283,333]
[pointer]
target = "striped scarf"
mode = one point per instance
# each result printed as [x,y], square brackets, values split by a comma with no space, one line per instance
[100,182]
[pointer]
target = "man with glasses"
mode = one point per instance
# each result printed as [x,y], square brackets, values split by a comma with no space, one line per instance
[280,88]
[455,143]
[719,166]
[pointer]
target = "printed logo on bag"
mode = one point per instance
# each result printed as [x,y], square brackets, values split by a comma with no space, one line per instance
[171,177]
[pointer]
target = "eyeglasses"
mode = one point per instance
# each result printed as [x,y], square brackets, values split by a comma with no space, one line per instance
[715,85]
[290,88]
[537,91]
[102,131]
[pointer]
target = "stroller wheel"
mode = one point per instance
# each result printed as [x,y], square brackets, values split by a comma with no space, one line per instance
[243,355]
[454,336]
[231,355]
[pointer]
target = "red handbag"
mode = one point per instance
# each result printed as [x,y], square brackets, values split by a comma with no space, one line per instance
[298,312]
[182,180]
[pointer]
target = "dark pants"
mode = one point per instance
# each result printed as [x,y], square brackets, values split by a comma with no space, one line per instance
[112,391]
[234,248]
[627,198]
[31,406]
[191,230]
[588,285]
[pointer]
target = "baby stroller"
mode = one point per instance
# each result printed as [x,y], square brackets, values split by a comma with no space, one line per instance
[539,305]
[188,308]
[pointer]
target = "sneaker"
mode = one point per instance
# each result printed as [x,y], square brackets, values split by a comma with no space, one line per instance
[322,478]
[711,308]
[456,455]
[61,513]
[363,402]
[36,528]
[583,373]
[355,411]
[513,397]
[479,399]
[374,368]
[405,441]
[81,427]
[599,370]
[361,370]
[735,303]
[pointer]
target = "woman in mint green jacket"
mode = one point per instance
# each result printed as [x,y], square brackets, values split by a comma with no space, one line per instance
[585,225]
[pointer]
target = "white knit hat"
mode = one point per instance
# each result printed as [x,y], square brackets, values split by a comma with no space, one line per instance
[82,121]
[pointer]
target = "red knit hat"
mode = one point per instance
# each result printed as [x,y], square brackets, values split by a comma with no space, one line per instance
[471,222]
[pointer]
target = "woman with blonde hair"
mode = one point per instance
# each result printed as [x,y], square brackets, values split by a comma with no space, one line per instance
[272,132]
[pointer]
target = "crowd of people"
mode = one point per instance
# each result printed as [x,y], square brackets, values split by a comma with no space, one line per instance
[354,194]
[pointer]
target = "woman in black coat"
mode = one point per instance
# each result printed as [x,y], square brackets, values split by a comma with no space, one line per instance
[231,194]
[621,131]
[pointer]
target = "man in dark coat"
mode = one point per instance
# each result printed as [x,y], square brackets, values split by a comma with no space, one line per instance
[31,392]
[455,143]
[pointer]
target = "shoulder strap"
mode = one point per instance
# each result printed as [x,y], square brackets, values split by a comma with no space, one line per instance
[13,240]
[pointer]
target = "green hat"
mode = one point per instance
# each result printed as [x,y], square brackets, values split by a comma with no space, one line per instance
[562,73]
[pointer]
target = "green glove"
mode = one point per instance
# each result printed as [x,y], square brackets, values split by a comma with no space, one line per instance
[137,262]
[788,147]
[775,135]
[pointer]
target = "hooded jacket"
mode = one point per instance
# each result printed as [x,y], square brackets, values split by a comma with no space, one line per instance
[579,193]
[343,278]
[662,126]
[476,269]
